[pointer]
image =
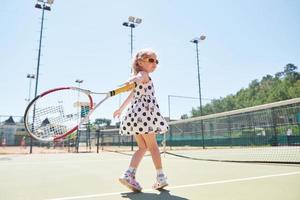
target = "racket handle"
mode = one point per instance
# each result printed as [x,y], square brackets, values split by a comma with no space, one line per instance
[125,88]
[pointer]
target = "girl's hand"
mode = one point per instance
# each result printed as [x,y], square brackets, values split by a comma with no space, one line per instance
[117,113]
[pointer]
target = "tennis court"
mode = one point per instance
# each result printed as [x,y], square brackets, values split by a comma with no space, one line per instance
[242,154]
[63,176]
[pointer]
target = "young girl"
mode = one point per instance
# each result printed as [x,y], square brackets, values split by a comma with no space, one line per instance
[143,119]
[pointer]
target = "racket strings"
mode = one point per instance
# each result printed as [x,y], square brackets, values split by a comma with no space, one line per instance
[51,121]
[57,113]
[49,109]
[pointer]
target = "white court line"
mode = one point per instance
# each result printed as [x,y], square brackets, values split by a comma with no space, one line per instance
[180,186]
[14,163]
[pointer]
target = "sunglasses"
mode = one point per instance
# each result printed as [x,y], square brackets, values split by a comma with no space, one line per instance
[152,60]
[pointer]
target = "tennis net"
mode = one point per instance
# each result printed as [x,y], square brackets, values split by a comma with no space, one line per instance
[268,133]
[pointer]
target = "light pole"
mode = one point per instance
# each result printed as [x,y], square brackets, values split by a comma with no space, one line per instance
[30,77]
[132,23]
[78,81]
[196,41]
[43,5]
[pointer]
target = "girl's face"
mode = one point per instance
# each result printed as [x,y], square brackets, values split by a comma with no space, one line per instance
[148,63]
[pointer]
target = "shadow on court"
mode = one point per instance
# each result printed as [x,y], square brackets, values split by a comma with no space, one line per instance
[163,195]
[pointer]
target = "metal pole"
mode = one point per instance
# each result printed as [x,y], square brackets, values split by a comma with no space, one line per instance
[229,129]
[199,82]
[200,100]
[29,95]
[98,135]
[132,21]
[165,136]
[169,107]
[274,140]
[29,90]
[78,113]
[131,41]
[131,54]
[39,55]
[38,67]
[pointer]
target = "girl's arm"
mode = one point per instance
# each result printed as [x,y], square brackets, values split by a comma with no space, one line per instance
[118,112]
[125,103]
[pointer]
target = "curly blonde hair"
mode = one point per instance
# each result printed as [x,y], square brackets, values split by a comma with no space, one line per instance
[141,54]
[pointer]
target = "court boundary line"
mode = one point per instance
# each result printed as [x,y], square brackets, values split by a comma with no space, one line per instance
[180,186]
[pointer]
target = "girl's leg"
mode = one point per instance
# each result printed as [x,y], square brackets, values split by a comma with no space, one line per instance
[129,177]
[138,155]
[151,143]
[161,179]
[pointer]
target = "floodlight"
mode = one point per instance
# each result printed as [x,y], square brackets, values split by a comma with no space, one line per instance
[47,8]
[202,37]
[195,40]
[131,18]
[138,20]
[50,2]
[38,6]
[79,81]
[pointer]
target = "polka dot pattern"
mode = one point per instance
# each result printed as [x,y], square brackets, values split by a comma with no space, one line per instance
[143,115]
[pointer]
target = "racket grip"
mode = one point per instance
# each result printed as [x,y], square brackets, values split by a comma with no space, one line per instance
[125,88]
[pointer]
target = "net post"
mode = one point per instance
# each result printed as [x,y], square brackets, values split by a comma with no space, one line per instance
[202,133]
[229,130]
[77,141]
[274,127]
[98,135]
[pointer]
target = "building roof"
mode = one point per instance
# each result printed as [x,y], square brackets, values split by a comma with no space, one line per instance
[10,121]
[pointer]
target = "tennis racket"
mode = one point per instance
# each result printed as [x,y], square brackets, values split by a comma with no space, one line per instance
[56,113]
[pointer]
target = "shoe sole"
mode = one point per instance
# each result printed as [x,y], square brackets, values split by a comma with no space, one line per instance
[161,187]
[134,189]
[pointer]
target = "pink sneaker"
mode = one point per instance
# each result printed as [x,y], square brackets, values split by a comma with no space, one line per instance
[161,182]
[129,181]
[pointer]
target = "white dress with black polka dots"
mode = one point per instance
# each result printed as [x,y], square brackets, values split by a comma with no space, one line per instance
[143,115]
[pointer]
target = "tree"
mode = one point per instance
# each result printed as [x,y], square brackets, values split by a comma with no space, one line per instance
[290,69]
[184,116]
[290,73]
[254,84]
[284,85]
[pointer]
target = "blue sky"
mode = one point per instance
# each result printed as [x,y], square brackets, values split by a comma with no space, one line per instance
[85,39]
